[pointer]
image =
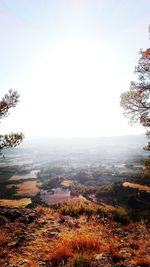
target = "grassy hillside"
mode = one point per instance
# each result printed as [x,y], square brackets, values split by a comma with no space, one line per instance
[76,233]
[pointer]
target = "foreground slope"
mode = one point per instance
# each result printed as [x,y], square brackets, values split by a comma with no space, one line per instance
[76,233]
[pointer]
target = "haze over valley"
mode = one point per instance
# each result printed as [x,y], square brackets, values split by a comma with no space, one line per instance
[46,163]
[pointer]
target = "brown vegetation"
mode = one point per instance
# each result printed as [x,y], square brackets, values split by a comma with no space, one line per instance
[47,237]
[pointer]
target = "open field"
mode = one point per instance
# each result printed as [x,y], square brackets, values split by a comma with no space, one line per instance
[30,175]
[67,183]
[15,203]
[28,188]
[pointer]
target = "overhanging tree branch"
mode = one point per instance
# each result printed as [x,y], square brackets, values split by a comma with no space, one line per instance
[9,101]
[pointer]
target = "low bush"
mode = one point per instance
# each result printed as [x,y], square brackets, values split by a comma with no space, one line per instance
[60,255]
[120,215]
[77,209]
[82,243]
[81,260]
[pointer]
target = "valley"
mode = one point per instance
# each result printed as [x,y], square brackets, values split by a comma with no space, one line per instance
[74,206]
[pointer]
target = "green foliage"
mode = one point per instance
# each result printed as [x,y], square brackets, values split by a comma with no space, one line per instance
[10,140]
[53,182]
[9,100]
[36,201]
[146,171]
[147,163]
[118,214]
[136,101]
[121,215]
[77,209]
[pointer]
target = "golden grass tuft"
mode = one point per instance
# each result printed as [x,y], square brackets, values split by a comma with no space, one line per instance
[60,254]
[71,246]
[80,243]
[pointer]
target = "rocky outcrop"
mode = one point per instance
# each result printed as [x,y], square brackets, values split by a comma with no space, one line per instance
[8,214]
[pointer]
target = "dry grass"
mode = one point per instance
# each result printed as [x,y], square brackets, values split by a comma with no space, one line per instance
[60,254]
[78,241]
[116,255]
[67,183]
[142,261]
[71,247]
[85,243]
[27,188]
[4,238]
[15,203]
[78,207]
[47,214]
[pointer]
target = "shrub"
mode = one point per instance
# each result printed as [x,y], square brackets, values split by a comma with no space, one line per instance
[81,260]
[77,208]
[60,255]
[85,243]
[121,215]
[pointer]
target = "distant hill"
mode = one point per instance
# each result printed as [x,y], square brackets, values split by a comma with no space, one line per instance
[85,142]
[118,147]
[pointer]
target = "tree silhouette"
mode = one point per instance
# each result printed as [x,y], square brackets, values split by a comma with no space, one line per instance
[9,101]
[136,101]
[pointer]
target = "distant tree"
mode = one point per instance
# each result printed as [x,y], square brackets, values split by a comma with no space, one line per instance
[9,100]
[136,101]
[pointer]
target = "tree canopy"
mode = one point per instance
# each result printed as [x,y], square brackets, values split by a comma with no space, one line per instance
[136,101]
[9,100]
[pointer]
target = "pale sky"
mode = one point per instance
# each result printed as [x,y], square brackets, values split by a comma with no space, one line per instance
[70,60]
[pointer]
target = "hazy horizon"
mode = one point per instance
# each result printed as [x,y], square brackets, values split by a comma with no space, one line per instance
[118,141]
[85,137]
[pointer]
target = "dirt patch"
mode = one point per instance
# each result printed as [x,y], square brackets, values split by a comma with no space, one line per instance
[136,186]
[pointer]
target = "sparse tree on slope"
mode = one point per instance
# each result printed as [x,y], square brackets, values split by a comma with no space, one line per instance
[136,101]
[10,100]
